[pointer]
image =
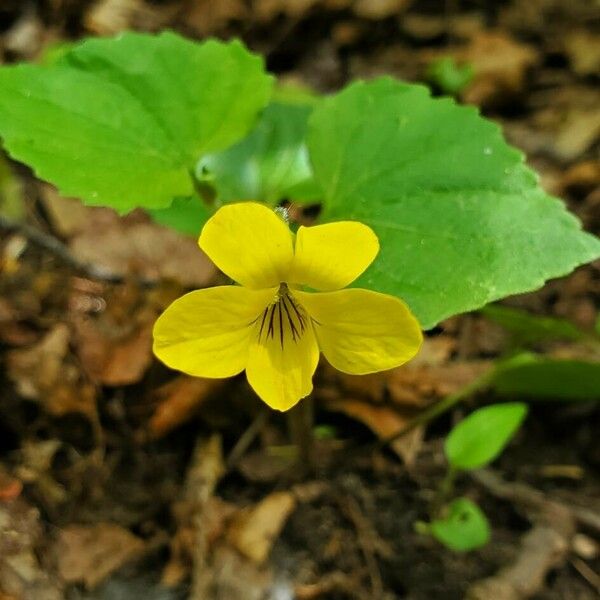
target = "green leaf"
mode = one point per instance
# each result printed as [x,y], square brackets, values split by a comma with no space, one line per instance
[56,52]
[89,137]
[121,122]
[464,528]
[205,96]
[270,164]
[460,220]
[478,439]
[532,328]
[450,77]
[549,379]
[186,215]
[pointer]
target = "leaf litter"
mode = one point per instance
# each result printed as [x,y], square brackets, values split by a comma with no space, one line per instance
[134,501]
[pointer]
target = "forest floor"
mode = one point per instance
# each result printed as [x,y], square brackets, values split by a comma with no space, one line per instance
[122,480]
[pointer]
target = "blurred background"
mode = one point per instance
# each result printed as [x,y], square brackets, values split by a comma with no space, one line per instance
[121,480]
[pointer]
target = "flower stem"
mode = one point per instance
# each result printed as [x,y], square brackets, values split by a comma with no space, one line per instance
[300,421]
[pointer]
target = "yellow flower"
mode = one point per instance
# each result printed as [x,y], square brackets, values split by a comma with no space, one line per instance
[267,325]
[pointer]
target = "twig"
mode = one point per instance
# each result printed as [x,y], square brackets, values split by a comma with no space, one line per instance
[587,573]
[55,247]
[368,540]
[544,547]
[206,469]
[532,498]
[246,439]
[441,407]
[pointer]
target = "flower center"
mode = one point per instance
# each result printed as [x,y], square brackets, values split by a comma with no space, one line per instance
[283,319]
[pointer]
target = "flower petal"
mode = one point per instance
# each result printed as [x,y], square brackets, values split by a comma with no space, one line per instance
[360,331]
[331,256]
[249,243]
[207,333]
[283,355]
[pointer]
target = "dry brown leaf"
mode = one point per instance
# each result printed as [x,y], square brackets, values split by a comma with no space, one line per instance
[254,530]
[583,49]
[108,17]
[129,247]
[579,131]
[384,422]
[262,466]
[89,553]
[36,468]
[501,66]
[191,545]
[206,17]
[69,216]
[370,386]
[10,487]
[267,10]
[21,575]
[215,516]
[379,9]
[178,400]
[25,37]
[581,178]
[38,368]
[419,385]
[236,578]
[46,373]
[111,356]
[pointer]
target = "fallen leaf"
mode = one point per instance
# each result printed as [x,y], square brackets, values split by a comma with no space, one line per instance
[12,204]
[578,132]
[108,17]
[10,487]
[200,516]
[123,246]
[178,400]
[420,385]
[501,65]
[21,575]
[254,530]
[69,216]
[261,466]
[376,10]
[128,247]
[111,356]
[384,422]
[236,578]
[25,37]
[267,10]
[206,17]
[583,49]
[372,386]
[36,468]
[581,178]
[215,517]
[90,553]
[38,368]
[46,372]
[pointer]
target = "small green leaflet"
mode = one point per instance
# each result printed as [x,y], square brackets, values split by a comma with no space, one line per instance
[548,378]
[270,164]
[464,528]
[479,438]
[529,328]
[121,122]
[460,219]
[448,76]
